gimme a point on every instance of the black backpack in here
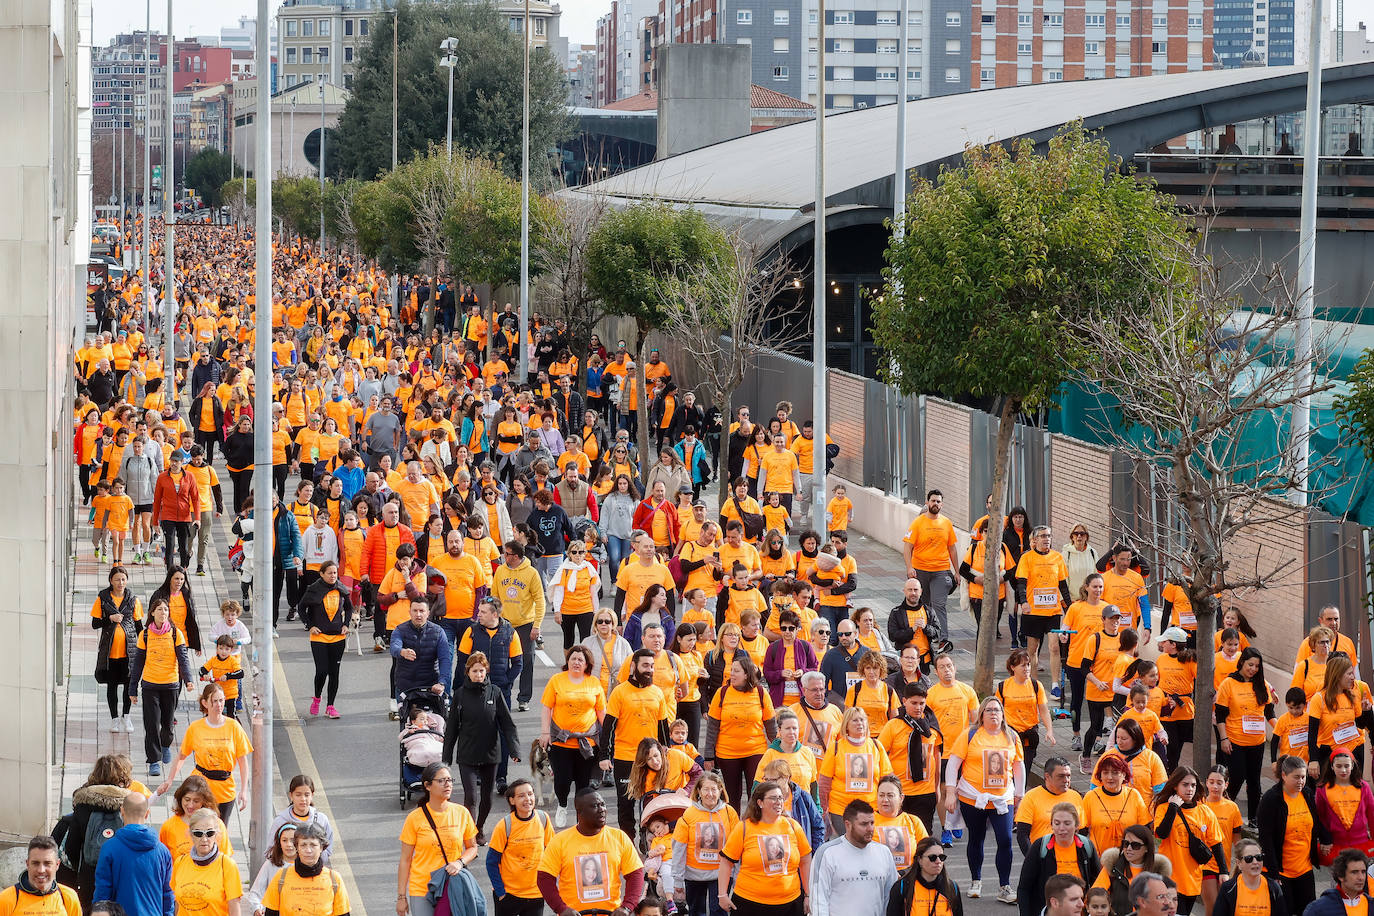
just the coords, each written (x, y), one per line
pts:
(100, 828)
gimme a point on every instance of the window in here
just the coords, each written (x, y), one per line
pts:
(1159, 22)
(539, 26)
(1097, 19)
(952, 46)
(781, 17)
(1055, 76)
(362, 27)
(744, 17)
(1023, 47)
(1092, 47)
(952, 73)
(811, 17)
(307, 55)
(1054, 19)
(744, 41)
(308, 28)
(1260, 17)
(887, 17)
(348, 54)
(842, 45)
(887, 46)
(781, 45)
(781, 73)
(1023, 18)
(517, 24)
(842, 74)
(290, 28)
(913, 19)
(348, 80)
(954, 20)
(324, 55)
(913, 46)
(1157, 47)
(290, 80)
(811, 74)
(913, 73)
(844, 17)
(883, 74)
(324, 28)
(1124, 19)
(290, 55)
(989, 19)
(348, 27)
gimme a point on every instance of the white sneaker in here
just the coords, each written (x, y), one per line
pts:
(975, 888)
(560, 817)
(115, 726)
(129, 724)
(395, 707)
(1006, 894)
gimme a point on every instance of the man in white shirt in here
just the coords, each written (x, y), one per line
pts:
(851, 873)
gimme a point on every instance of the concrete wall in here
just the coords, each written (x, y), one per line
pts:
(703, 96)
(39, 199)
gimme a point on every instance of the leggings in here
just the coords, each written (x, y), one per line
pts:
(689, 711)
(923, 806)
(471, 774)
(1244, 763)
(739, 777)
(328, 658)
(118, 680)
(227, 808)
(1185, 904)
(570, 771)
(624, 804)
(978, 820)
(581, 624)
(702, 899)
(1180, 732)
(207, 441)
(1030, 743)
(243, 485)
(1078, 682)
(1097, 713)
(1299, 892)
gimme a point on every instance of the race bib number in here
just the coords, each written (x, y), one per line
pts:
(1188, 620)
(994, 768)
(858, 770)
(1045, 598)
(1252, 725)
(708, 842)
(851, 678)
(790, 689)
(1297, 737)
(1346, 733)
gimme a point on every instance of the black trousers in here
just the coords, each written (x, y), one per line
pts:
(478, 780)
(159, 709)
(571, 771)
(576, 627)
(283, 577)
(1180, 732)
(739, 777)
(1299, 892)
(527, 673)
(243, 485)
(624, 804)
(1030, 744)
(279, 472)
(1097, 713)
(119, 680)
(180, 532)
(207, 441)
(1078, 682)
(689, 711)
(328, 659)
(511, 905)
(923, 806)
(1245, 763)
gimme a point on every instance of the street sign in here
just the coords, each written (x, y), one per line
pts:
(157, 176)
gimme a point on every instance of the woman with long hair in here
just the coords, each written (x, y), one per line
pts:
(1062, 851)
(1189, 835)
(191, 796)
(1177, 677)
(160, 653)
(176, 591)
(684, 649)
(661, 769)
(118, 616)
(1244, 713)
(697, 840)
(478, 715)
(1121, 864)
(1249, 890)
(571, 710)
(207, 419)
(437, 834)
(1345, 803)
(327, 612)
(607, 649)
(1083, 618)
(1340, 714)
(617, 517)
(1227, 813)
(100, 796)
(769, 857)
(926, 889)
(1292, 834)
(985, 778)
(282, 853)
(739, 725)
(652, 608)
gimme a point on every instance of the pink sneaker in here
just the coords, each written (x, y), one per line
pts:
(314, 706)
(331, 712)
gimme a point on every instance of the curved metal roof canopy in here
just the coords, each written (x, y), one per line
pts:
(770, 176)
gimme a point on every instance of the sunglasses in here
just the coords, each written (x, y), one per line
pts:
(605, 623)
(935, 857)
(1250, 860)
(786, 629)
(203, 833)
(1132, 844)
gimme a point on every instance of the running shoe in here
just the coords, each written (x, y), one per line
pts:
(166, 755)
(128, 723)
(524, 706)
(1054, 691)
(116, 726)
(314, 706)
(946, 839)
(331, 712)
(560, 817)
(1085, 766)
(958, 834)
(1077, 743)
(481, 838)
(200, 570)
(377, 645)
(155, 769)
(291, 614)
(1006, 894)
(975, 888)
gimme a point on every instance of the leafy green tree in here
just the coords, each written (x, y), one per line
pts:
(631, 255)
(483, 228)
(207, 171)
(998, 264)
(487, 92)
(296, 202)
(380, 215)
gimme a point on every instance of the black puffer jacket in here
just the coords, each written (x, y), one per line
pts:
(313, 613)
(479, 714)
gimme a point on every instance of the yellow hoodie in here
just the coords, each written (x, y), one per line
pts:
(521, 592)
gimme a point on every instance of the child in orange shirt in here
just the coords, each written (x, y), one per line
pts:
(1138, 708)
(838, 512)
(121, 513)
(100, 515)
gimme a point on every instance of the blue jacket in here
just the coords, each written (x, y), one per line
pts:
(700, 465)
(353, 480)
(806, 812)
(287, 543)
(465, 898)
(1329, 903)
(433, 662)
(505, 670)
(135, 871)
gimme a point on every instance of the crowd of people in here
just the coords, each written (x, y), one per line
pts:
(775, 746)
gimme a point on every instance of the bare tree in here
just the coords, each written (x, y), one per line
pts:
(1203, 375)
(723, 315)
(430, 185)
(562, 289)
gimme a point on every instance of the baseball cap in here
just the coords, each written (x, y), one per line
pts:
(1175, 634)
(1111, 610)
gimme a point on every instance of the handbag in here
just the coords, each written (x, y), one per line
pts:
(753, 522)
(675, 570)
(1196, 848)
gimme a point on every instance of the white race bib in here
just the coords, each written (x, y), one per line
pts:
(1045, 597)
(1252, 725)
(1188, 620)
(851, 678)
(1345, 733)
(1297, 737)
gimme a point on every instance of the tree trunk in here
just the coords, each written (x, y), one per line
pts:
(642, 410)
(722, 403)
(992, 554)
(1205, 601)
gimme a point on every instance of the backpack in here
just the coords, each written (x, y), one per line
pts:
(100, 828)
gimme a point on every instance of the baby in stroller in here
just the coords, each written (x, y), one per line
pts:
(421, 739)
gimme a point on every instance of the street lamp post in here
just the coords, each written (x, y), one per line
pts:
(525, 211)
(395, 51)
(147, 109)
(818, 419)
(450, 48)
(1307, 258)
(292, 139)
(322, 76)
(169, 298)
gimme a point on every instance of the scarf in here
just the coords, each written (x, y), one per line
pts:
(309, 871)
(573, 568)
(209, 857)
(160, 630)
(915, 756)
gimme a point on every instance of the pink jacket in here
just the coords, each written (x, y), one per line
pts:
(1361, 829)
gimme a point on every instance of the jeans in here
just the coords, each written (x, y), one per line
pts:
(978, 820)
(935, 588)
(617, 549)
(179, 532)
(526, 673)
(159, 709)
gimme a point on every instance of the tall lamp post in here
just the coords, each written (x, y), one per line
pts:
(169, 298)
(818, 290)
(147, 109)
(525, 212)
(395, 51)
(450, 48)
(1307, 257)
(322, 76)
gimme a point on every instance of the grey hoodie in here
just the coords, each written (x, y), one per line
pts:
(140, 475)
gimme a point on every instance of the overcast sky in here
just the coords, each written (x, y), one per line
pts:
(201, 17)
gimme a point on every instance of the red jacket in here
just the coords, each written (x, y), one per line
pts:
(644, 518)
(375, 561)
(172, 503)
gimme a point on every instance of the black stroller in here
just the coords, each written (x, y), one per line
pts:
(418, 698)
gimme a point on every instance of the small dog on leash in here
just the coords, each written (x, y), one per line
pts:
(541, 774)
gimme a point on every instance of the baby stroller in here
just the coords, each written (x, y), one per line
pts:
(410, 700)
